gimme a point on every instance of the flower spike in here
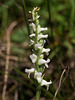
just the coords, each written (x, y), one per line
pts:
(37, 41)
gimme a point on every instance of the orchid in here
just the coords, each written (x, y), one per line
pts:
(37, 40)
(33, 57)
(42, 61)
(29, 71)
(42, 36)
(44, 82)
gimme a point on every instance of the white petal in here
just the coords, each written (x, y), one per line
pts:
(31, 42)
(37, 46)
(48, 60)
(32, 35)
(33, 57)
(33, 13)
(37, 76)
(42, 61)
(46, 50)
(42, 29)
(39, 79)
(47, 65)
(42, 36)
(33, 26)
(29, 71)
(44, 82)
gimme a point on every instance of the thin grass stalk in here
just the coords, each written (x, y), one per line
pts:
(72, 2)
(25, 15)
(50, 19)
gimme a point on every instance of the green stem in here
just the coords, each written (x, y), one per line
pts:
(36, 23)
(38, 92)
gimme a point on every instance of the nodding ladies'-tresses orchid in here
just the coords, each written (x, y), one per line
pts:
(37, 40)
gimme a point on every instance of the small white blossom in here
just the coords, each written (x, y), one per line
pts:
(32, 35)
(31, 42)
(37, 76)
(29, 71)
(41, 29)
(33, 13)
(33, 26)
(48, 60)
(37, 73)
(42, 36)
(42, 61)
(39, 79)
(44, 82)
(46, 50)
(33, 57)
(38, 45)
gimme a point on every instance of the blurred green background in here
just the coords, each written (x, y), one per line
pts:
(59, 17)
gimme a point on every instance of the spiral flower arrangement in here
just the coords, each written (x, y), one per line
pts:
(37, 40)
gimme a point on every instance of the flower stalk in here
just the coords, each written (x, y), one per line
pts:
(37, 40)
(38, 92)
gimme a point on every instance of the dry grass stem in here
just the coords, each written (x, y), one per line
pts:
(59, 83)
(8, 32)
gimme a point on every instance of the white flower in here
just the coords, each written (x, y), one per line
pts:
(33, 13)
(44, 82)
(46, 50)
(29, 71)
(42, 36)
(38, 45)
(33, 57)
(33, 26)
(38, 73)
(31, 42)
(39, 79)
(41, 29)
(42, 61)
(32, 35)
(37, 76)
